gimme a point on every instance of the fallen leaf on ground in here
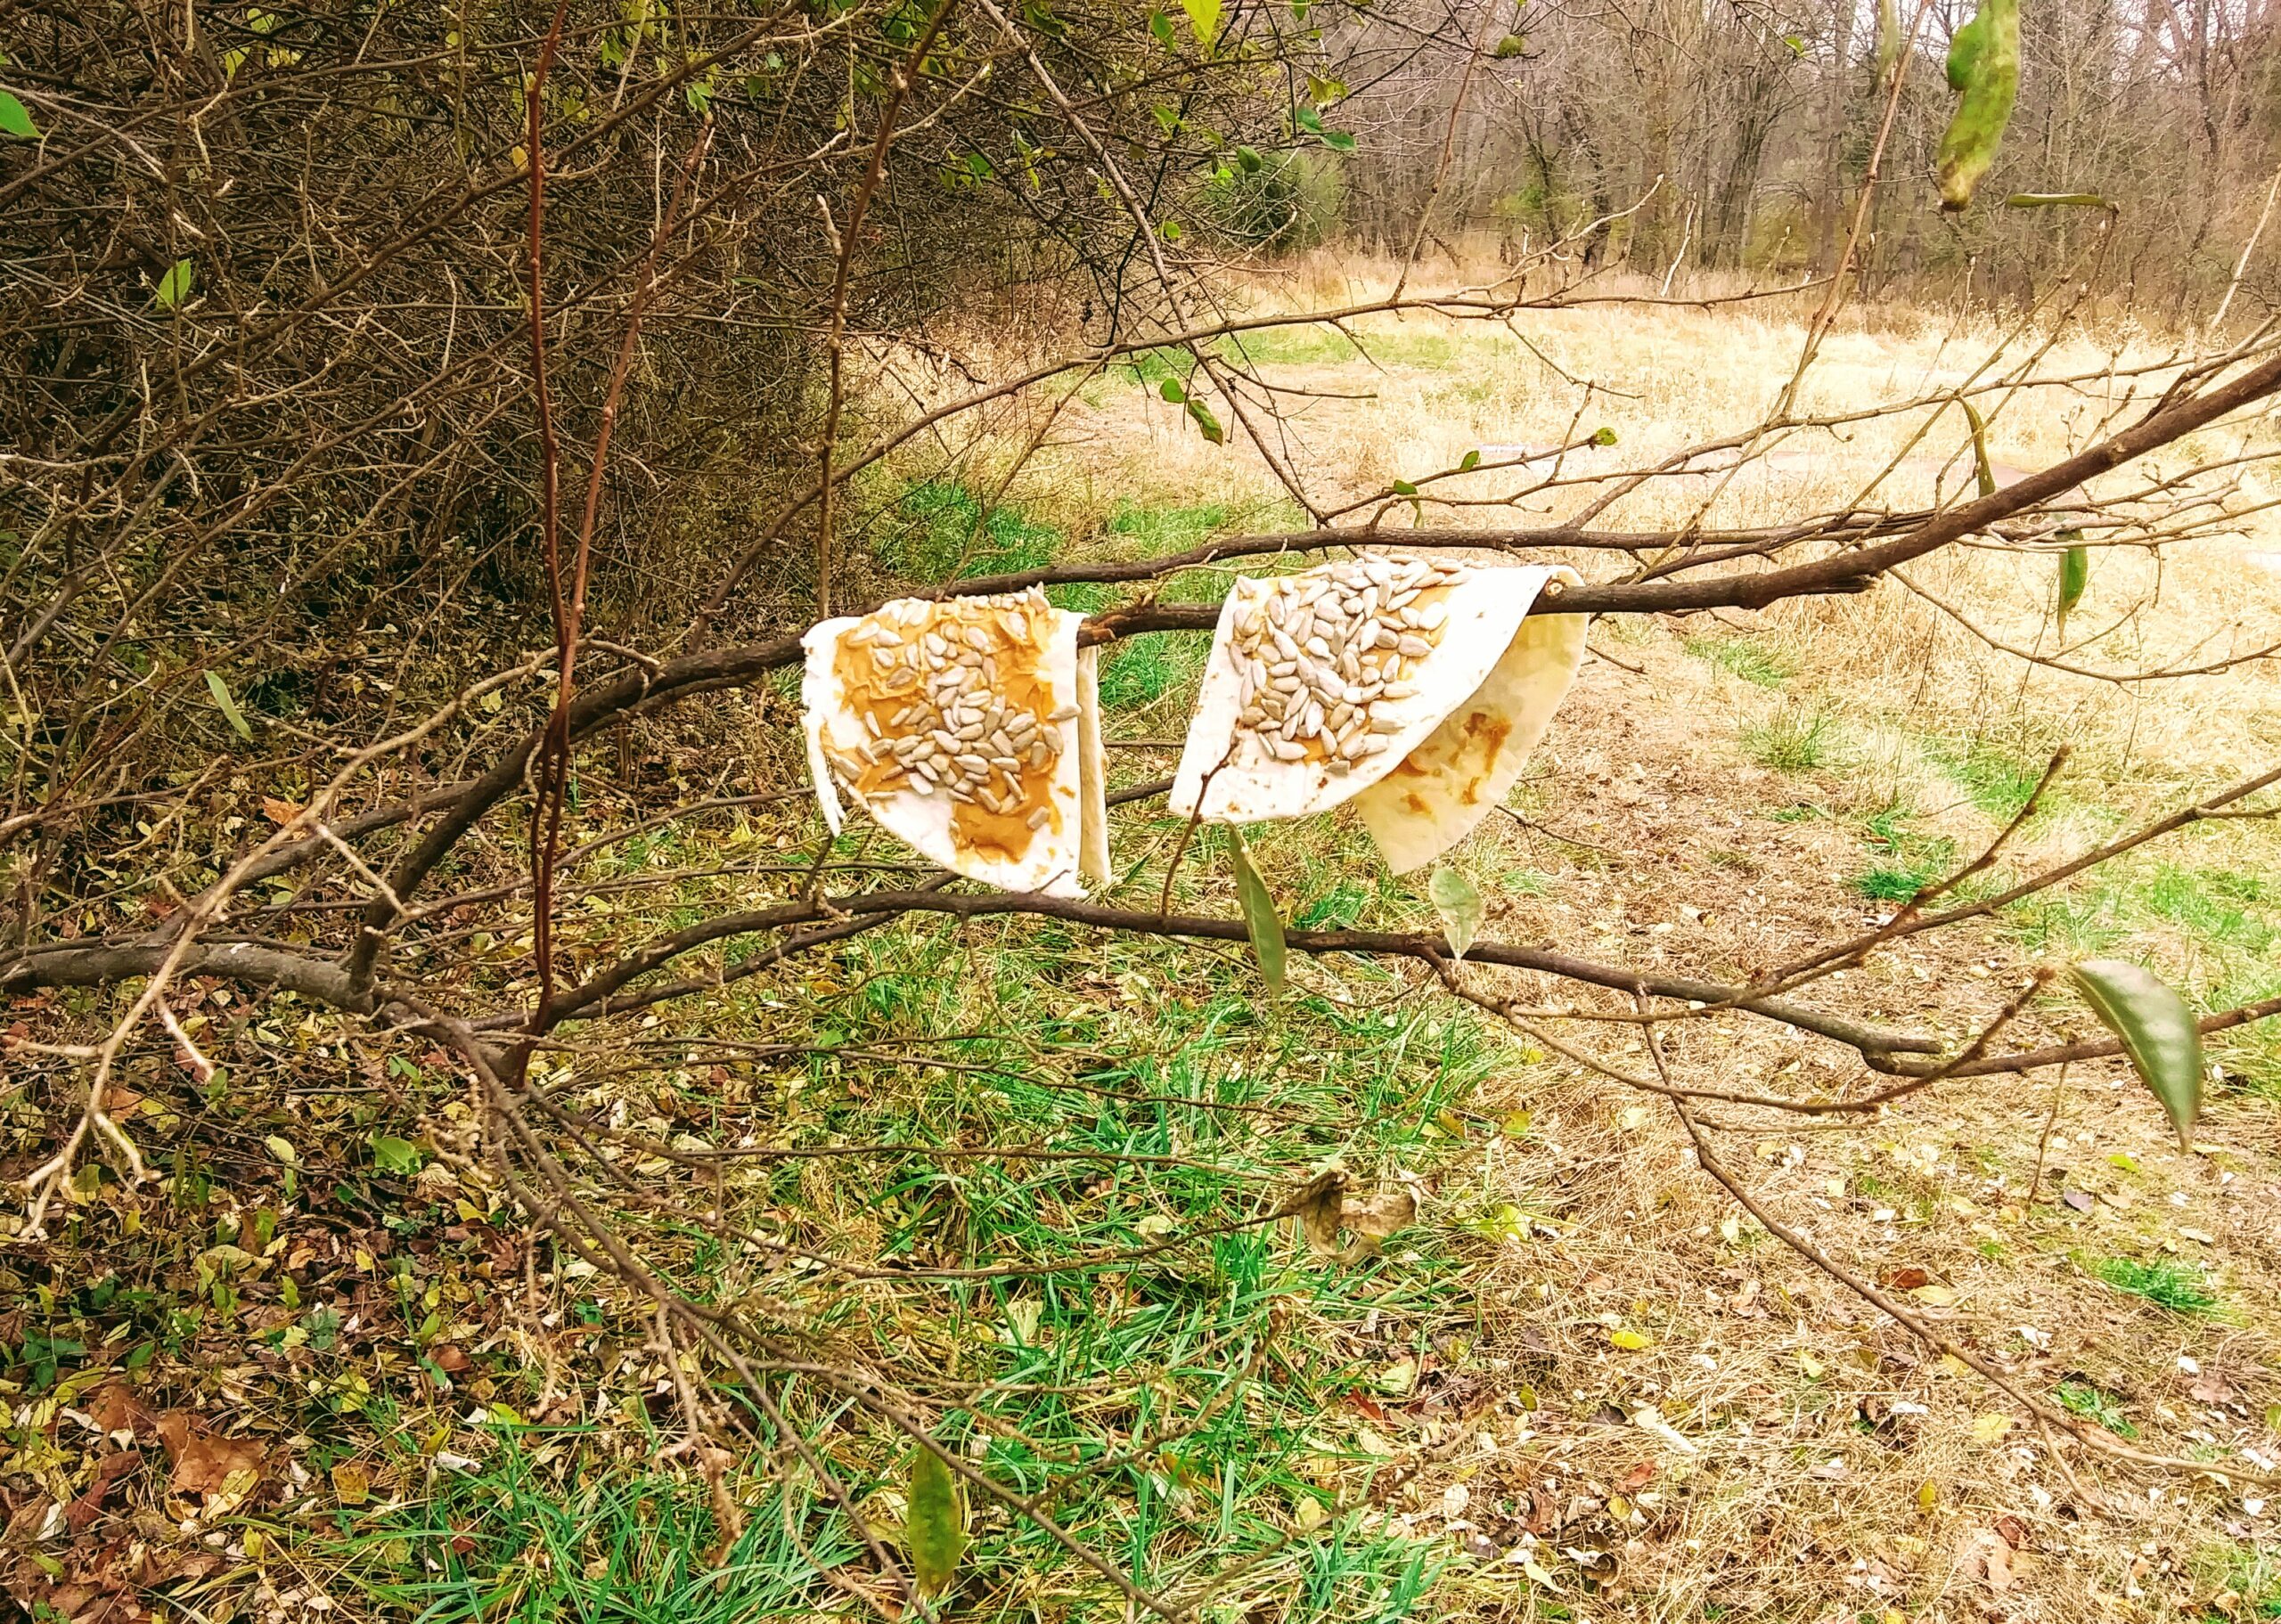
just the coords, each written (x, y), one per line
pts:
(204, 1464)
(1989, 1427)
(2214, 1388)
(82, 1512)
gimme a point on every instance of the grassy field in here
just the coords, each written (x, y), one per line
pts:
(1582, 1385)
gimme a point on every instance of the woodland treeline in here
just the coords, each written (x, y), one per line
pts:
(1760, 120)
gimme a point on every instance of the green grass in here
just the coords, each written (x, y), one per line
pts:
(1998, 784)
(1747, 657)
(943, 534)
(2094, 1403)
(1906, 862)
(1151, 367)
(1793, 739)
(1326, 346)
(1142, 670)
(2174, 1286)
(2252, 1574)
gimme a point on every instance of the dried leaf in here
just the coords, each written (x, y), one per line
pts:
(108, 1469)
(1319, 1208)
(1379, 1215)
(204, 1464)
(352, 1482)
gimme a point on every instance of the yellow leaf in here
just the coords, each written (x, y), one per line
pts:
(1730, 1230)
(1954, 1366)
(352, 1482)
(1991, 1427)
(1928, 1494)
(1530, 1566)
(1813, 1368)
(1516, 1125)
(1633, 1118)
(1398, 1377)
(1631, 1341)
(1935, 1296)
(1309, 1514)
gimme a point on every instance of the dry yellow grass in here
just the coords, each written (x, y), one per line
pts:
(1693, 1422)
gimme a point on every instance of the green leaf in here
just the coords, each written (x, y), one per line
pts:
(1161, 25)
(282, 1147)
(1338, 141)
(1171, 228)
(2057, 199)
(1249, 161)
(2074, 576)
(1983, 471)
(1984, 71)
(1204, 18)
(1511, 45)
(1308, 119)
(175, 286)
(1205, 423)
(1888, 43)
(2158, 1033)
(1470, 461)
(393, 1155)
(1604, 437)
(16, 118)
(1264, 925)
(1402, 487)
(228, 706)
(1458, 906)
(934, 1524)
(1171, 391)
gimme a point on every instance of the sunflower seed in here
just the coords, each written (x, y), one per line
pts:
(1037, 818)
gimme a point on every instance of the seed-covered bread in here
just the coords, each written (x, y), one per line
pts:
(1413, 687)
(955, 724)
